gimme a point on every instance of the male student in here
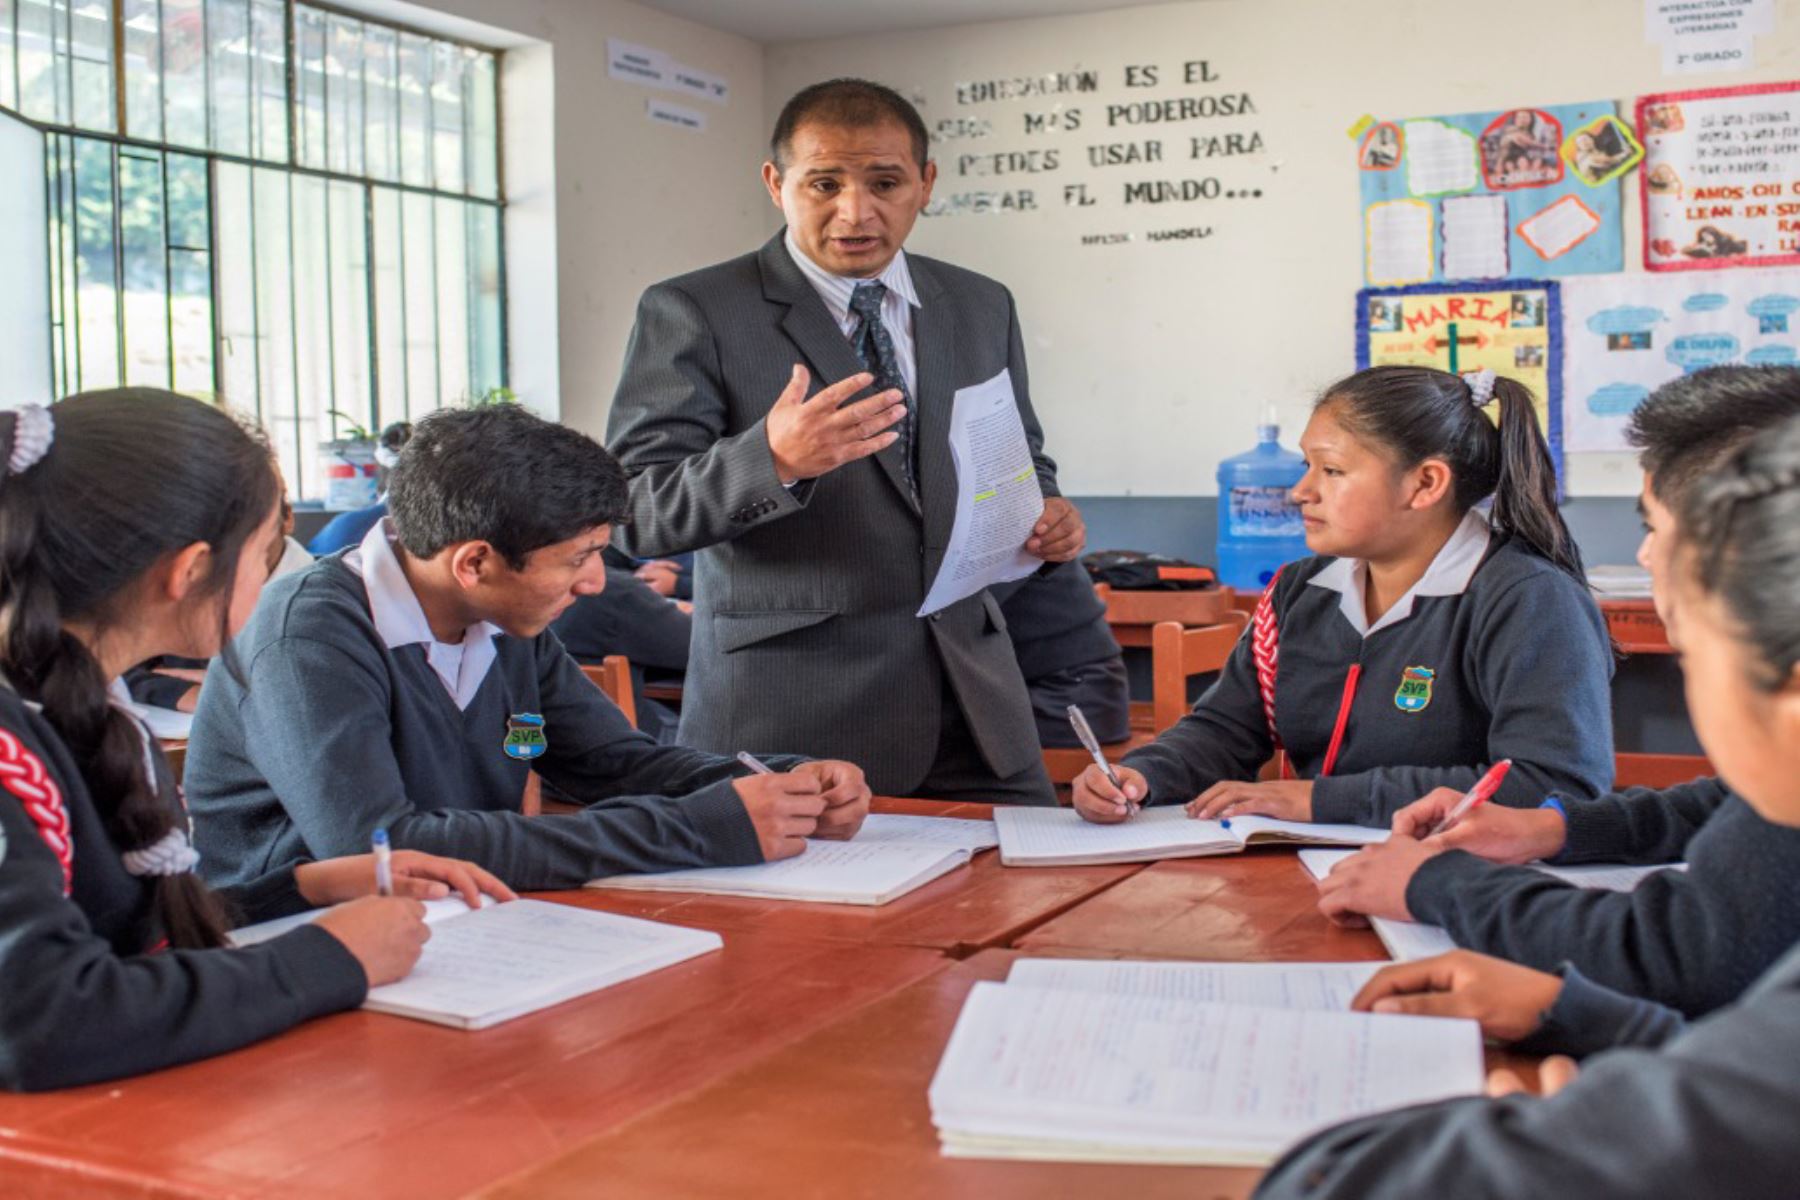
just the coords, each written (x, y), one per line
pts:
(821, 512)
(1691, 940)
(411, 683)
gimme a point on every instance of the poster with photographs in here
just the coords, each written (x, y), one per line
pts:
(1512, 325)
(1626, 335)
(1521, 191)
(1721, 177)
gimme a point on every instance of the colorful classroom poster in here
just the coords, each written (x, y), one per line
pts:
(1721, 177)
(1624, 335)
(1512, 325)
(1525, 191)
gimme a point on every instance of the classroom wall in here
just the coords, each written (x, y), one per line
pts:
(1150, 360)
(612, 202)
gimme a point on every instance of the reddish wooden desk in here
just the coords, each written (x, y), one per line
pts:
(1260, 905)
(361, 1104)
(840, 1113)
(981, 905)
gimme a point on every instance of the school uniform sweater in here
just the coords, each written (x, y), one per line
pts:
(331, 734)
(87, 995)
(1508, 660)
(1708, 1115)
(1692, 940)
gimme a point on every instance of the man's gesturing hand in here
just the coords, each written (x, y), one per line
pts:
(810, 437)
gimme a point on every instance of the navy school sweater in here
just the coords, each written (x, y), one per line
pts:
(86, 995)
(1521, 666)
(331, 735)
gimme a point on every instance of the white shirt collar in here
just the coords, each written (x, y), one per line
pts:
(400, 620)
(1448, 575)
(835, 290)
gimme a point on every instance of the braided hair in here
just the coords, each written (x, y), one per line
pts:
(1738, 533)
(132, 475)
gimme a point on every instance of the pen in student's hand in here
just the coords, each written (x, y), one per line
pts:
(384, 866)
(754, 763)
(1091, 744)
(1483, 790)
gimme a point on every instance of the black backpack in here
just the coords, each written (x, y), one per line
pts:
(1136, 571)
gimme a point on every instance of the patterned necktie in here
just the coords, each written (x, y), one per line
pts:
(875, 347)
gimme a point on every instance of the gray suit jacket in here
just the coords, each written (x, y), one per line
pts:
(804, 635)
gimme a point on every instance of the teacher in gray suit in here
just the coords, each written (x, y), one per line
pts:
(786, 414)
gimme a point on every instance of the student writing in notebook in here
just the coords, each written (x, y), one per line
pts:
(1424, 641)
(412, 683)
(1698, 1111)
(1691, 939)
(135, 523)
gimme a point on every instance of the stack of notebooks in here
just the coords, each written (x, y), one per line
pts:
(489, 965)
(1061, 837)
(1407, 940)
(1219, 1063)
(890, 856)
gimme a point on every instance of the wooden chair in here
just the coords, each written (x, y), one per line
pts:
(1133, 614)
(1178, 653)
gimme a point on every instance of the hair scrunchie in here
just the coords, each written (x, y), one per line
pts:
(1481, 385)
(33, 431)
(171, 855)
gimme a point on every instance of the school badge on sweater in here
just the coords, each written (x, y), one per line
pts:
(1414, 692)
(525, 737)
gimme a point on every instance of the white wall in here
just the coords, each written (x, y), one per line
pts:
(1149, 361)
(628, 202)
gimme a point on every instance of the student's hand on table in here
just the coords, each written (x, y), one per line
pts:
(1554, 1074)
(189, 700)
(1491, 831)
(660, 575)
(846, 797)
(417, 875)
(785, 809)
(385, 933)
(808, 438)
(1509, 1001)
(1059, 534)
(1099, 801)
(1283, 799)
(685, 606)
(1372, 882)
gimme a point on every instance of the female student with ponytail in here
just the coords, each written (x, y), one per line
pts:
(136, 523)
(1423, 643)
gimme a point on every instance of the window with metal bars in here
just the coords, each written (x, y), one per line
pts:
(290, 208)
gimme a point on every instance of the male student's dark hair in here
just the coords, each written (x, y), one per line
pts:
(1691, 424)
(848, 104)
(500, 475)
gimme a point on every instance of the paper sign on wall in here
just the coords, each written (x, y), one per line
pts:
(654, 68)
(1717, 35)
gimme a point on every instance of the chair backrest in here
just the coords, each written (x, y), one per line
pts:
(1178, 653)
(613, 676)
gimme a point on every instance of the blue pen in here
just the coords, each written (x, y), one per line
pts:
(384, 867)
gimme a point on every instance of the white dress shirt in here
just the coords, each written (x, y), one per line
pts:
(896, 306)
(400, 620)
(1448, 575)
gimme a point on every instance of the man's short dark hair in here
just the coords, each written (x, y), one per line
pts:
(1691, 424)
(501, 475)
(847, 104)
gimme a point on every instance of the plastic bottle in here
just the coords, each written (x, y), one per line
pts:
(1259, 526)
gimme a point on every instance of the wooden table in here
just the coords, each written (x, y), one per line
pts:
(1258, 906)
(361, 1104)
(971, 908)
(840, 1113)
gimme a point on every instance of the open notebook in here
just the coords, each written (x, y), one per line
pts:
(1407, 940)
(502, 961)
(1061, 837)
(891, 855)
(1146, 1066)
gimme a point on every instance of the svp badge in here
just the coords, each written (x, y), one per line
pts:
(525, 737)
(1414, 692)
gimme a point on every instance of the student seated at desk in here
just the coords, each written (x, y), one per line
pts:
(411, 684)
(627, 617)
(1699, 1112)
(1421, 644)
(1067, 654)
(1693, 940)
(135, 523)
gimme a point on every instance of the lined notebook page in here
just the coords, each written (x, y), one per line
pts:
(937, 831)
(435, 911)
(1270, 829)
(481, 968)
(1062, 835)
(1327, 987)
(856, 871)
(1034, 1068)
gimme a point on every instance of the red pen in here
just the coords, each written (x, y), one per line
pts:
(1481, 793)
